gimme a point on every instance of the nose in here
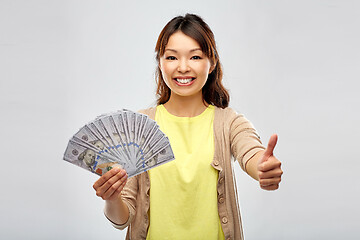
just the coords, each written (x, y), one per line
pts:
(183, 66)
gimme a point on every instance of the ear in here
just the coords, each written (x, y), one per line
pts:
(81, 156)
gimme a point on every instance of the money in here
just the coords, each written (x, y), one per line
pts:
(125, 139)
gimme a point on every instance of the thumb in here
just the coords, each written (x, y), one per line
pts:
(269, 151)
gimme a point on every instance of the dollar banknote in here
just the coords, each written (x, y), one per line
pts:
(125, 139)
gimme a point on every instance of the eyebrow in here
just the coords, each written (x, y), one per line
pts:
(192, 50)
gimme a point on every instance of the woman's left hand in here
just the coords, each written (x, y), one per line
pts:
(269, 167)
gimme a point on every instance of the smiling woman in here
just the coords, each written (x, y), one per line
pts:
(184, 67)
(194, 196)
(200, 44)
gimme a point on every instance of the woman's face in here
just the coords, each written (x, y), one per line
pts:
(184, 67)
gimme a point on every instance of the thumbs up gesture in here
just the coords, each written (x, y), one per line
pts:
(269, 167)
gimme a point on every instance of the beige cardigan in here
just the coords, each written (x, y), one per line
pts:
(234, 136)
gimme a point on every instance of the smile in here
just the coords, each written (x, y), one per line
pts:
(184, 80)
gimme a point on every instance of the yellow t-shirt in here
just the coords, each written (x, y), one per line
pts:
(183, 193)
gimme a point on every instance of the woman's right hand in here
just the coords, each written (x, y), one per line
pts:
(110, 185)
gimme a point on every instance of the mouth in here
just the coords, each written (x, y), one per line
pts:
(184, 81)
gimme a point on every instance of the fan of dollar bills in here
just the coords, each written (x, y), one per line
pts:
(126, 139)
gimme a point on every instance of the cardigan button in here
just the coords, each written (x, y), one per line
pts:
(216, 163)
(221, 180)
(224, 220)
(221, 200)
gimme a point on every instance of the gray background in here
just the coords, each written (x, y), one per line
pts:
(292, 68)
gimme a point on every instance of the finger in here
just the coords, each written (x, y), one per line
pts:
(271, 163)
(269, 151)
(110, 191)
(106, 185)
(119, 189)
(269, 181)
(122, 186)
(271, 187)
(115, 188)
(106, 177)
(277, 172)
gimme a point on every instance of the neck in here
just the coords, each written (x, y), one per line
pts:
(189, 106)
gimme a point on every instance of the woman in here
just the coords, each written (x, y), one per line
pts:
(194, 196)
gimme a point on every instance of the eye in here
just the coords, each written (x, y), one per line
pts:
(170, 58)
(196, 57)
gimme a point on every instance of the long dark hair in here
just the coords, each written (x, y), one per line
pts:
(193, 26)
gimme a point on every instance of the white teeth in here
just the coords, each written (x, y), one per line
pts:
(183, 81)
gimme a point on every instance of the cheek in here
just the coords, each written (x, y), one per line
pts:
(166, 72)
(208, 67)
(203, 67)
(164, 68)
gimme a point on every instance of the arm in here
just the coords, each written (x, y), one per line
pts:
(116, 211)
(251, 165)
(246, 147)
(265, 167)
(109, 187)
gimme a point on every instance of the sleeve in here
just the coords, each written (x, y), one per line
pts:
(244, 140)
(129, 196)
